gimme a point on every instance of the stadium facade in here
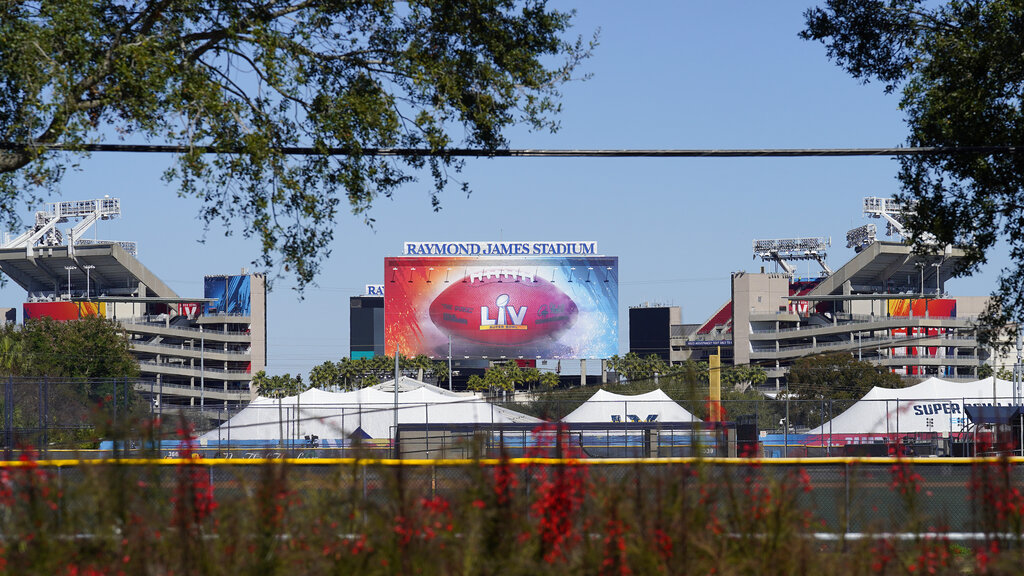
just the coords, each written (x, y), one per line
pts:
(191, 351)
(887, 305)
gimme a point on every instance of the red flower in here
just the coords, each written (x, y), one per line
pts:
(559, 497)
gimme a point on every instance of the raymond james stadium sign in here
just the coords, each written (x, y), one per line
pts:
(500, 249)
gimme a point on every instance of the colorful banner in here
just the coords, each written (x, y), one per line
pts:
(502, 307)
(919, 308)
(231, 292)
(934, 307)
(63, 311)
(188, 309)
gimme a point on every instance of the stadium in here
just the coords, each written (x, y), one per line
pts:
(887, 305)
(193, 352)
(552, 306)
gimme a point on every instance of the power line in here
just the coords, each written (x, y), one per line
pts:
(532, 153)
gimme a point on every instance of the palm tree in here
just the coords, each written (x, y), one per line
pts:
(11, 357)
(326, 376)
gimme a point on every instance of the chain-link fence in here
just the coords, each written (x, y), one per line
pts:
(841, 496)
(71, 417)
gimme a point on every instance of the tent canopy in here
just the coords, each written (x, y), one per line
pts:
(368, 411)
(654, 406)
(982, 414)
(934, 405)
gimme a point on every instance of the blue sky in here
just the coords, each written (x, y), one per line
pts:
(666, 75)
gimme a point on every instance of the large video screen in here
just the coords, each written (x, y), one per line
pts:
(494, 307)
(231, 292)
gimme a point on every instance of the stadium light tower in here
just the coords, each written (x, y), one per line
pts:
(893, 213)
(783, 250)
(45, 230)
(889, 210)
(861, 237)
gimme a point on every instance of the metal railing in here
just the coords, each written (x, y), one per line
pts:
(197, 350)
(850, 321)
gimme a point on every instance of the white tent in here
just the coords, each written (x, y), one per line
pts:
(653, 406)
(368, 413)
(934, 405)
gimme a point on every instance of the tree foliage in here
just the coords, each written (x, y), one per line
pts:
(814, 382)
(355, 373)
(635, 368)
(509, 376)
(88, 360)
(278, 386)
(90, 348)
(234, 81)
(958, 66)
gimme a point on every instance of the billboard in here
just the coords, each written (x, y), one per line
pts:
(231, 292)
(563, 307)
(63, 310)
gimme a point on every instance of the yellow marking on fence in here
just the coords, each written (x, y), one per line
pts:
(887, 460)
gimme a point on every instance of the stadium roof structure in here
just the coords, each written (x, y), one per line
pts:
(882, 266)
(93, 269)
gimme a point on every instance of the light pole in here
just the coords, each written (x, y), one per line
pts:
(87, 268)
(202, 369)
(785, 431)
(1017, 368)
(394, 435)
(938, 268)
(69, 269)
(1017, 383)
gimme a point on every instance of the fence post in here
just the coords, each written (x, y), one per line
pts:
(39, 416)
(46, 418)
(46, 383)
(822, 420)
(831, 412)
(846, 500)
(8, 417)
(60, 496)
